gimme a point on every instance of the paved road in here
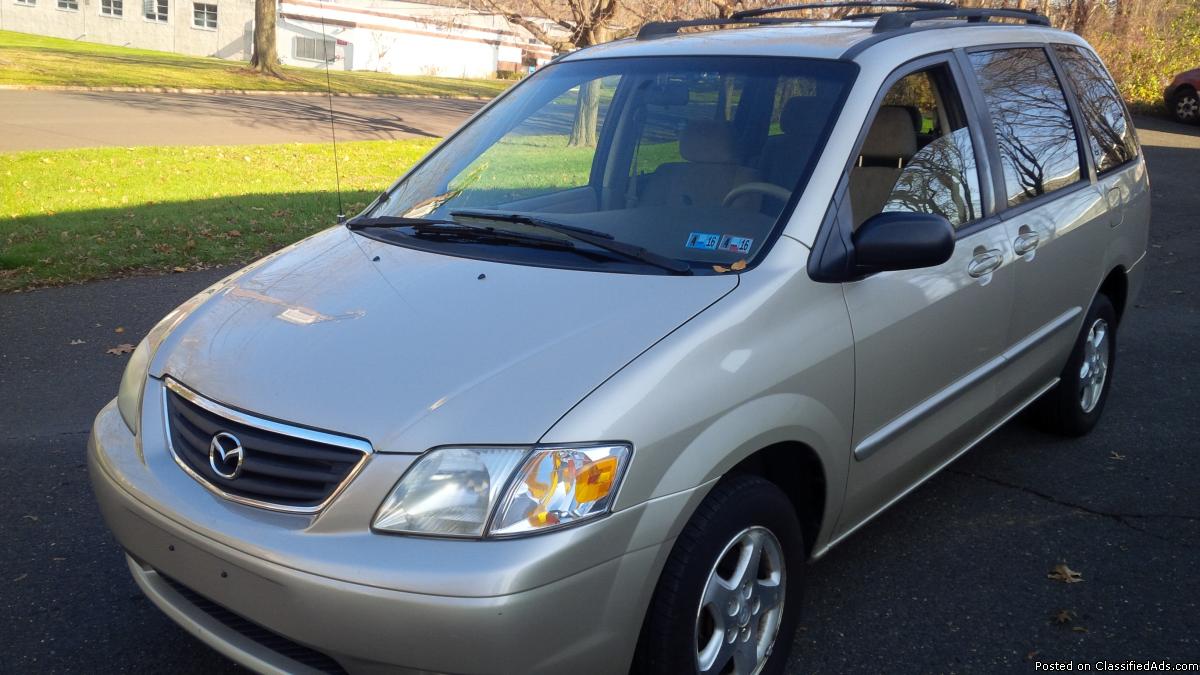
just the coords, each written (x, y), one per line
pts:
(38, 120)
(953, 579)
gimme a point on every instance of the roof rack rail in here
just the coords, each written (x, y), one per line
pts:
(904, 16)
(892, 21)
(861, 4)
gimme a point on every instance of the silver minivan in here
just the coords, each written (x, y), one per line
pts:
(586, 388)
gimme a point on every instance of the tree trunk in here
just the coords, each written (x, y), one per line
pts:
(265, 57)
(587, 112)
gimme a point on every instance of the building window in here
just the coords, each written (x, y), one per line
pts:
(311, 49)
(204, 15)
(30, 3)
(112, 7)
(72, 5)
(155, 10)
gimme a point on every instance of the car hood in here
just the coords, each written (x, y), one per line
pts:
(410, 349)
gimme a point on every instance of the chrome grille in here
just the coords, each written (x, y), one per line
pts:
(284, 467)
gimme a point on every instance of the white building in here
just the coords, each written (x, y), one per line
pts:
(404, 38)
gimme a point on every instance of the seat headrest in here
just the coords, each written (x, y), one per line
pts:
(892, 135)
(707, 141)
(797, 113)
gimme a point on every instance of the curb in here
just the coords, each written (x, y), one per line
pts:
(248, 92)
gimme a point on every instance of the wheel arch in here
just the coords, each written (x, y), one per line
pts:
(797, 470)
(1116, 288)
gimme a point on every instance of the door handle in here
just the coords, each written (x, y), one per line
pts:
(985, 262)
(1026, 243)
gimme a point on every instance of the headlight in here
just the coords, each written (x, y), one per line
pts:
(133, 383)
(456, 491)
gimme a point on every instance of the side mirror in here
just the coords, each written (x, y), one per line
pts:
(898, 240)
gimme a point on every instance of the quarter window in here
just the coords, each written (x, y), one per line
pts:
(918, 155)
(155, 10)
(1110, 135)
(204, 15)
(1038, 147)
(112, 7)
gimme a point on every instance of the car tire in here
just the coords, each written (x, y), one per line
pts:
(1185, 106)
(703, 612)
(1074, 405)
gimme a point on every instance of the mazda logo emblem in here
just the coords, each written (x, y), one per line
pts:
(225, 455)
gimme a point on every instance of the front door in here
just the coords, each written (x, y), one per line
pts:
(927, 342)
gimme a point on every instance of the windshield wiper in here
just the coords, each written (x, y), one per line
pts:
(601, 240)
(361, 222)
(451, 231)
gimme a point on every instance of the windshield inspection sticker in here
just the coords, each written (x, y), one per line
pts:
(708, 242)
(736, 244)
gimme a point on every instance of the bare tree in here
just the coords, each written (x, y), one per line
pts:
(265, 57)
(587, 23)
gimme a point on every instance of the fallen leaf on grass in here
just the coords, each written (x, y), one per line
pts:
(1065, 574)
(120, 349)
(178, 269)
(233, 233)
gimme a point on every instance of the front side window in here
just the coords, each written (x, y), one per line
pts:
(155, 10)
(1110, 135)
(682, 157)
(1038, 147)
(204, 15)
(112, 7)
(918, 156)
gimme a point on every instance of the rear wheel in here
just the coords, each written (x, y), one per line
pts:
(728, 598)
(1185, 106)
(1074, 406)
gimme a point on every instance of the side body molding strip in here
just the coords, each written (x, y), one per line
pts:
(878, 439)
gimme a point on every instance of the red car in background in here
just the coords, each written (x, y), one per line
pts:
(1183, 96)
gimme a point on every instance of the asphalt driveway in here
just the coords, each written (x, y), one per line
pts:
(953, 579)
(46, 120)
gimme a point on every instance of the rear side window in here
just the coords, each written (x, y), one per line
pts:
(1038, 147)
(1110, 135)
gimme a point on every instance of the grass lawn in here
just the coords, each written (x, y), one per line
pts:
(77, 215)
(38, 60)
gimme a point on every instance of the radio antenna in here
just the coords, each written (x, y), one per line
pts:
(337, 176)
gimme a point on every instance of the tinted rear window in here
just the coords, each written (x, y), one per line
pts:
(1110, 135)
(1038, 146)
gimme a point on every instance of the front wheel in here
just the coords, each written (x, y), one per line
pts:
(1186, 106)
(1073, 407)
(729, 595)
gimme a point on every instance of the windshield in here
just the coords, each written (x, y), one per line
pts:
(693, 159)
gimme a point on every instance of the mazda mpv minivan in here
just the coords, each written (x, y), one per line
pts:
(585, 389)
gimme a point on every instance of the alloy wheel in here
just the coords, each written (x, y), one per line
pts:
(1093, 373)
(1187, 107)
(742, 605)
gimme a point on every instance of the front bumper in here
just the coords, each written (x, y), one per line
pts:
(568, 601)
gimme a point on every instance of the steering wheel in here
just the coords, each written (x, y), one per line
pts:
(768, 189)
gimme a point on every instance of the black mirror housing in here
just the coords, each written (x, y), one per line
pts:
(899, 240)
